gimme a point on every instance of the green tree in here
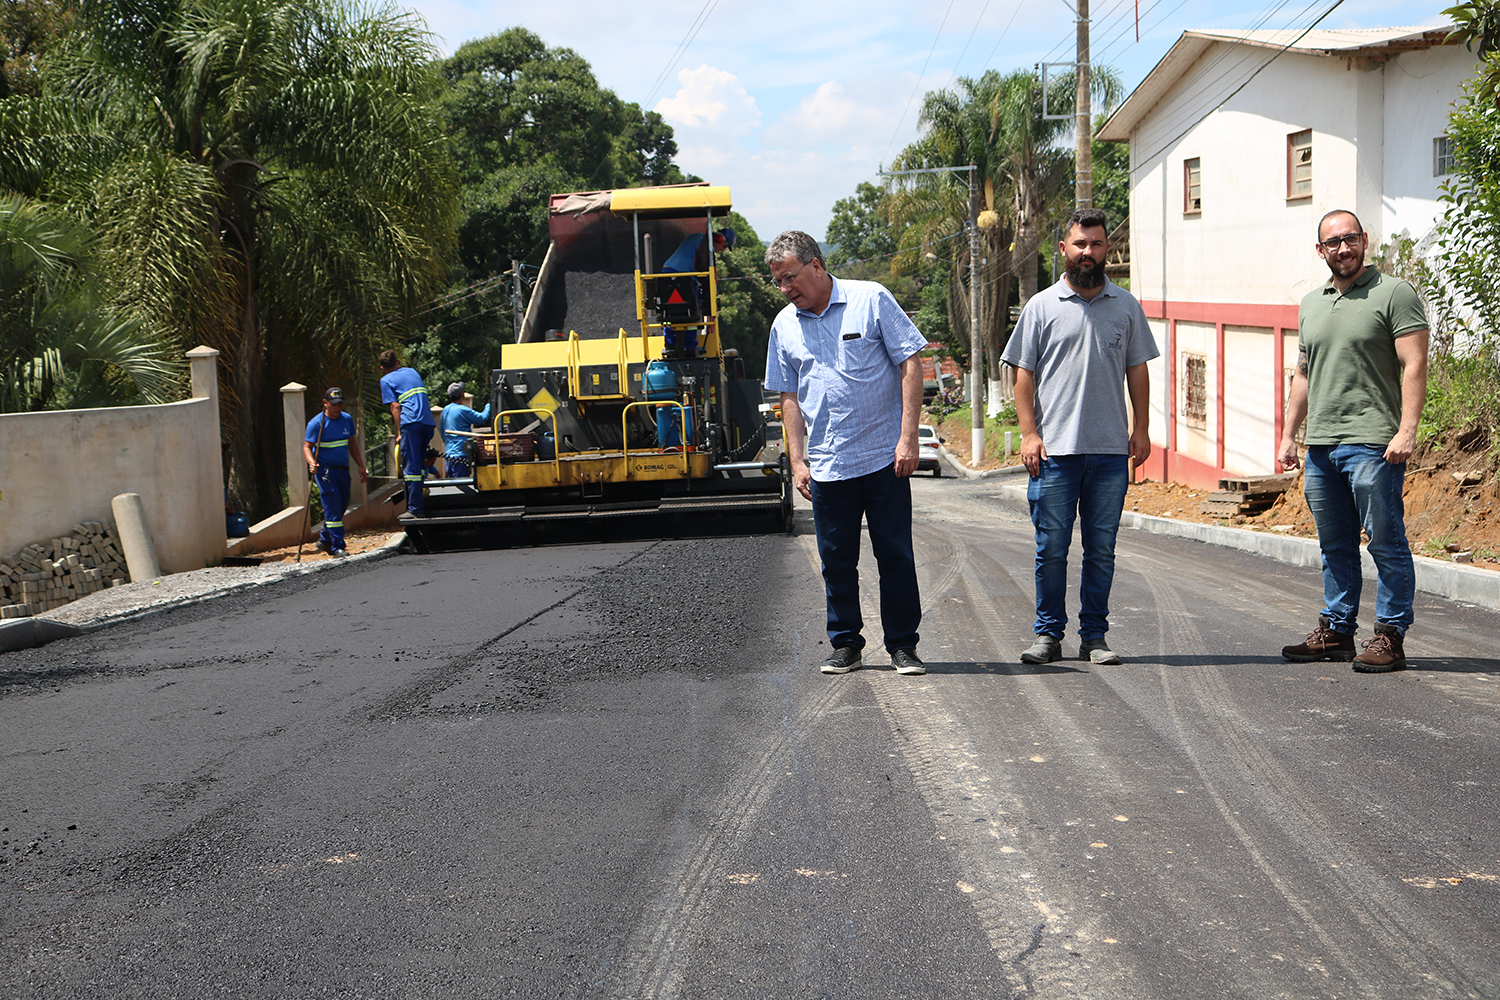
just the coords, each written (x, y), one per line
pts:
(994, 122)
(1464, 383)
(859, 228)
(748, 303)
(268, 177)
(28, 28)
(527, 121)
(61, 344)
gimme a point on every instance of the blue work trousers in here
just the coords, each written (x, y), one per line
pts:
(333, 489)
(1349, 488)
(414, 440)
(1089, 489)
(455, 468)
(883, 500)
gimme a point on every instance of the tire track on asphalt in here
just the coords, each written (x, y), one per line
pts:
(978, 814)
(1395, 929)
(650, 962)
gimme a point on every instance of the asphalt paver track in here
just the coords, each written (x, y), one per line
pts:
(615, 771)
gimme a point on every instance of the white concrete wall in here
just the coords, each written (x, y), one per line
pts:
(1372, 123)
(1420, 90)
(1249, 386)
(64, 466)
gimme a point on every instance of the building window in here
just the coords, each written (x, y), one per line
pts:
(1192, 178)
(1195, 390)
(1299, 164)
(1442, 156)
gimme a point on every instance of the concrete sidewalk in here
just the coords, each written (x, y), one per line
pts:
(1454, 581)
(149, 597)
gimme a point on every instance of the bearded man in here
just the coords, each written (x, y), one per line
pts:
(1076, 349)
(1360, 383)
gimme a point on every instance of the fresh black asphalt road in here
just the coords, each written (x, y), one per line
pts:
(615, 771)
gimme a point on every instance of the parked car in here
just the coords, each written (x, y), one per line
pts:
(928, 457)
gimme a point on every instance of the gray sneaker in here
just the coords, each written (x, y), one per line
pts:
(907, 662)
(1096, 650)
(1046, 649)
(842, 660)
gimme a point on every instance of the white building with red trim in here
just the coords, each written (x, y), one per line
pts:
(1240, 141)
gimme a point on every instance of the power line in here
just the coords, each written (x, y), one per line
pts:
(918, 85)
(1336, 5)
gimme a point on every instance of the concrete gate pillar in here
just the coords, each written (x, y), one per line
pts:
(293, 410)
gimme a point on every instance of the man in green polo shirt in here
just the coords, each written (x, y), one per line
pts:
(1360, 382)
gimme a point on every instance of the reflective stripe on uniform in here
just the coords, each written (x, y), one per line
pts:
(411, 392)
(333, 524)
(413, 479)
(334, 444)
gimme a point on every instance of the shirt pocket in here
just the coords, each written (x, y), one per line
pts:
(861, 354)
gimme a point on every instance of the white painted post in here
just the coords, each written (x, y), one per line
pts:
(203, 366)
(293, 407)
(130, 522)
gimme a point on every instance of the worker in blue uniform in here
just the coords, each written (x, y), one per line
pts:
(403, 390)
(327, 448)
(458, 417)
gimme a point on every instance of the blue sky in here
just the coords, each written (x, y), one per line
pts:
(792, 105)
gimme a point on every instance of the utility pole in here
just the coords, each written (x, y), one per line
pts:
(976, 348)
(515, 285)
(1083, 181)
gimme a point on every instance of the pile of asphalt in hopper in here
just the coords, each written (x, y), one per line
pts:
(600, 303)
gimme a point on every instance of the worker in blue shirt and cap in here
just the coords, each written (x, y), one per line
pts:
(326, 447)
(458, 417)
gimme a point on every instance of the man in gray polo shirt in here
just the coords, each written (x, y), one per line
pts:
(1076, 348)
(1361, 380)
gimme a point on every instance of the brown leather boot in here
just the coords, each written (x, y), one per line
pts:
(1322, 643)
(1383, 653)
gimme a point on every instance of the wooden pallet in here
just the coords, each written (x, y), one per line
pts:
(1260, 484)
(1232, 502)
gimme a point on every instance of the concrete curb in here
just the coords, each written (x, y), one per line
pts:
(968, 473)
(28, 633)
(1454, 581)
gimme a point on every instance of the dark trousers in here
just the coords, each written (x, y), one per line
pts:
(883, 500)
(414, 438)
(333, 490)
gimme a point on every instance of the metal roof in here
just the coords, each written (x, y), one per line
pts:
(1349, 43)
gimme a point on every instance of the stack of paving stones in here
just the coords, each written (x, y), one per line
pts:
(47, 575)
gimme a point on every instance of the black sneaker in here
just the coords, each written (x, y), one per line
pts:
(842, 660)
(907, 662)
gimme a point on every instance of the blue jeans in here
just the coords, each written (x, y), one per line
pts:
(414, 438)
(1350, 487)
(1091, 487)
(333, 490)
(884, 501)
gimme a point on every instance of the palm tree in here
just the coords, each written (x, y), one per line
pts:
(268, 177)
(61, 343)
(996, 123)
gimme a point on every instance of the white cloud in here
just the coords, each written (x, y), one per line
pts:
(710, 98)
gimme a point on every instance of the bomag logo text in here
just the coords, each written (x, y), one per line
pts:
(657, 466)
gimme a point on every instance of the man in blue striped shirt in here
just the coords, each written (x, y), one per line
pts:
(404, 391)
(845, 358)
